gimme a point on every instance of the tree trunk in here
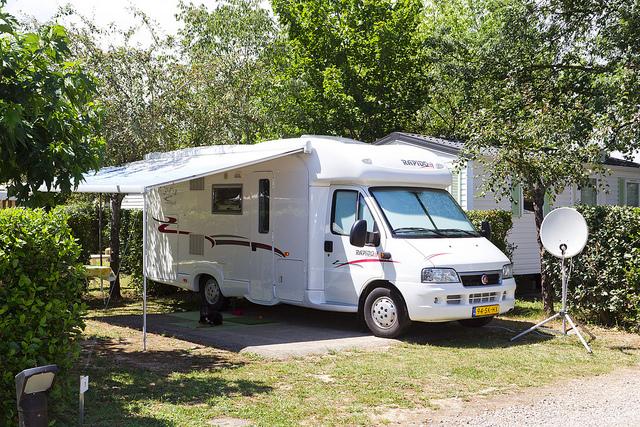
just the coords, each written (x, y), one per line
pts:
(116, 204)
(545, 284)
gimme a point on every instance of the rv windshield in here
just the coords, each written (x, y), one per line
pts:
(422, 212)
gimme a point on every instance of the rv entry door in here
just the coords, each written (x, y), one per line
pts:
(261, 256)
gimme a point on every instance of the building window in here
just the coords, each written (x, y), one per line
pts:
(349, 206)
(263, 206)
(589, 193)
(196, 184)
(633, 197)
(226, 199)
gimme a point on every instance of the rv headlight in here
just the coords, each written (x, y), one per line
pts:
(439, 275)
(507, 271)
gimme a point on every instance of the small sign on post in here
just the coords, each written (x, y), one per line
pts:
(84, 386)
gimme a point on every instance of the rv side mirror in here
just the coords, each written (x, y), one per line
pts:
(358, 234)
(485, 229)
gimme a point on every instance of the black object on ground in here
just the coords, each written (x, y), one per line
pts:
(209, 316)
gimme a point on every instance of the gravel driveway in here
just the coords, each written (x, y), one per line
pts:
(607, 400)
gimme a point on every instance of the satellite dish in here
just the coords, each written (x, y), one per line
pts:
(564, 232)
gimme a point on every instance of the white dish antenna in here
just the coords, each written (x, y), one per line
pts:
(564, 232)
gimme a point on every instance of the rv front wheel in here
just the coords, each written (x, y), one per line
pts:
(210, 293)
(385, 313)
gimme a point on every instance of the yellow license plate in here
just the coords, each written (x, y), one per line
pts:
(486, 310)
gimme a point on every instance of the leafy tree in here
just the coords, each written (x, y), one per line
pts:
(535, 98)
(202, 88)
(144, 91)
(357, 65)
(230, 51)
(49, 121)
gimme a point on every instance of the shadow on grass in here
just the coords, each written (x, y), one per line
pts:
(629, 350)
(289, 324)
(125, 383)
(131, 302)
(164, 361)
(529, 310)
(496, 334)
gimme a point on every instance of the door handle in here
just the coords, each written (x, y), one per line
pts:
(328, 246)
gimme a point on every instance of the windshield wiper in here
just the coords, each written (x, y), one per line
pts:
(418, 230)
(459, 230)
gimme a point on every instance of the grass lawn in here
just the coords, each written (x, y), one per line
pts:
(184, 384)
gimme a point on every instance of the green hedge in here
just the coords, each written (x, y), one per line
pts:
(501, 223)
(604, 286)
(84, 223)
(41, 283)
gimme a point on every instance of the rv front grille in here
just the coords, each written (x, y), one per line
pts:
(454, 299)
(483, 297)
(476, 279)
(196, 244)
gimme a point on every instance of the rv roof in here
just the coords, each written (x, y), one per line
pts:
(356, 163)
(367, 164)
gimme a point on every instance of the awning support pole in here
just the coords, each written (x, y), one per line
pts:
(104, 297)
(144, 270)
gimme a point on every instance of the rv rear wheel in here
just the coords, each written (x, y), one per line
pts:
(477, 322)
(385, 313)
(210, 293)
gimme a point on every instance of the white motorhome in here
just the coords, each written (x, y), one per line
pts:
(331, 224)
(321, 222)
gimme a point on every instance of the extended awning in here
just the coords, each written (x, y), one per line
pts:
(160, 169)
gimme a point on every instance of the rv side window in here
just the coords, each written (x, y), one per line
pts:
(365, 213)
(263, 206)
(226, 199)
(349, 205)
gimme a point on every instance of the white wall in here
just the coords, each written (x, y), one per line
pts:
(631, 174)
(526, 256)
(522, 234)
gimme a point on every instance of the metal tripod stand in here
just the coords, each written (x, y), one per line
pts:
(563, 314)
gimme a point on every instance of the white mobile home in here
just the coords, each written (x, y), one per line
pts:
(623, 189)
(319, 222)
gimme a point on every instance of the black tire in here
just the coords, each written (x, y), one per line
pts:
(211, 294)
(476, 322)
(385, 313)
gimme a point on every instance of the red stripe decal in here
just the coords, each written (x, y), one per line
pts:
(232, 242)
(166, 223)
(212, 239)
(435, 255)
(256, 245)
